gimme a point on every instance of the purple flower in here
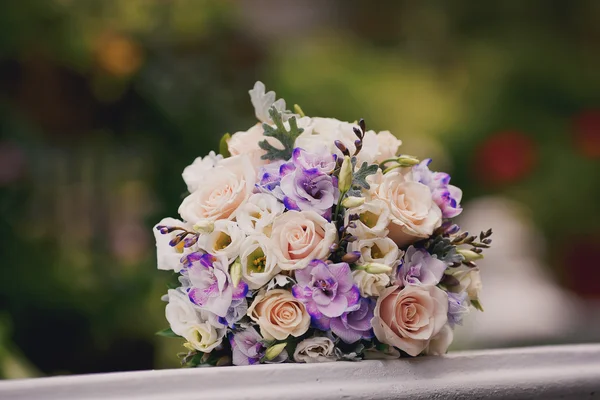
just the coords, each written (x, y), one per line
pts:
(249, 348)
(458, 307)
(419, 268)
(322, 161)
(211, 286)
(269, 179)
(327, 290)
(237, 310)
(446, 196)
(309, 190)
(354, 325)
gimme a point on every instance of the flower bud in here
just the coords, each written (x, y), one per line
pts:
(235, 271)
(345, 178)
(377, 268)
(469, 255)
(274, 351)
(407, 161)
(351, 257)
(351, 202)
(204, 226)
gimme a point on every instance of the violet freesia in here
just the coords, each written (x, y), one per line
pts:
(211, 285)
(446, 196)
(419, 268)
(458, 307)
(309, 190)
(248, 348)
(321, 160)
(237, 310)
(327, 290)
(354, 325)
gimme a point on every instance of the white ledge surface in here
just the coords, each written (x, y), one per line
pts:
(526, 373)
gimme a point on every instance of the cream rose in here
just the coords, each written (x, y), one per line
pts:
(298, 237)
(438, 345)
(279, 314)
(259, 264)
(387, 146)
(370, 285)
(315, 350)
(246, 142)
(409, 318)
(414, 214)
(256, 216)
(470, 281)
(229, 185)
(225, 239)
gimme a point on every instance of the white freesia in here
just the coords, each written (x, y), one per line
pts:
(169, 257)
(259, 264)
(370, 285)
(256, 216)
(195, 173)
(299, 237)
(470, 281)
(225, 239)
(381, 250)
(199, 327)
(414, 214)
(315, 350)
(231, 182)
(374, 217)
(438, 345)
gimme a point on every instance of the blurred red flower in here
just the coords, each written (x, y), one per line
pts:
(505, 157)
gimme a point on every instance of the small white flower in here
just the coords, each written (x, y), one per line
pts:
(199, 327)
(259, 264)
(256, 216)
(225, 240)
(195, 173)
(374, 217)
(370, 285)
(168, 257)
(315, 350)
(381, 250)
(470, 281)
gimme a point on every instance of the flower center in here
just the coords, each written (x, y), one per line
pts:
(223, 240)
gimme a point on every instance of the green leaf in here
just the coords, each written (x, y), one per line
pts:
(477, 305)
(360, 176)
(285, 137)
(168, 333)
(223, 148)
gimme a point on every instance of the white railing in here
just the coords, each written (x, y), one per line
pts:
(534, 373)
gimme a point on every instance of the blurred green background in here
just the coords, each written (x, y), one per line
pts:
(103, 103)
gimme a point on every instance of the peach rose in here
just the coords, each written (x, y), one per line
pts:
(414, 214)
(298, 237)
(409, 318)
(228, 186)
(279, 314)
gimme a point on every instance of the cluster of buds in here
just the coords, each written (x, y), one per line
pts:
(185, 238)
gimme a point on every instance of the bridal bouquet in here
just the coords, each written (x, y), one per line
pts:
(311, 240)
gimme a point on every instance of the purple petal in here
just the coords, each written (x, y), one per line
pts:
(347, 335)
(290, 204)
(343, 276)
(240, 291)
(335, 308)
(352, 296)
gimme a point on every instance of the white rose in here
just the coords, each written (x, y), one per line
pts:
(374, 217)
(299, 237)
(257, 215)
(438, 345)
(370, 285)
(387, 146)
(259, 264)
(315, 350)
(195, 173)
(199, 327)
(376, 250)
(414, 214)
(225, 240)
(168, 257)
(324, 131)
(229, 185)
